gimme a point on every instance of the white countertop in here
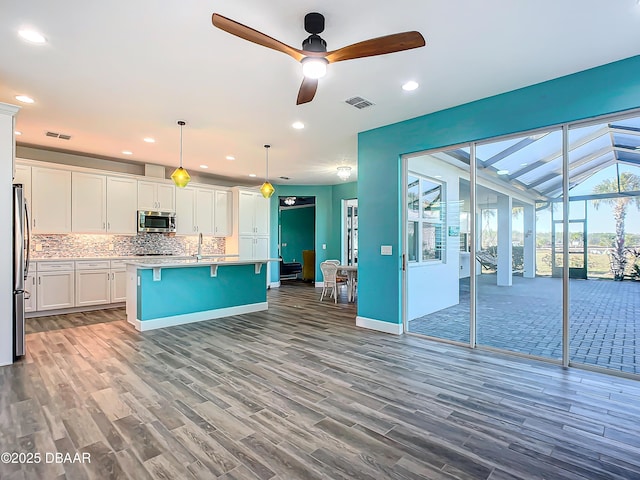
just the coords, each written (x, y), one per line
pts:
(127, 257)
(172, 262)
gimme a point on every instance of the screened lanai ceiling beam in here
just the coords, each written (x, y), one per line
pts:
(512, 149)
(557, 187)
(460, 155)
(629, 161)
(583, 141)
(624, 129)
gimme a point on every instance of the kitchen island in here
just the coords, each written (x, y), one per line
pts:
(166, 292)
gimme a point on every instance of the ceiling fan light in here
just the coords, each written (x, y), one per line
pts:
(314, 67)
(344, 172)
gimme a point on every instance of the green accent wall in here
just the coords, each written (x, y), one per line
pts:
(607, 89)
(297, 231)
(328, 221)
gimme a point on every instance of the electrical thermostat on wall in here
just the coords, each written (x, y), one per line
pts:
(386, 250)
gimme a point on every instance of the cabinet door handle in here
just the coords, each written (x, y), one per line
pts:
(104, 225)
(108, 226)
(34, 222)
(39, 278)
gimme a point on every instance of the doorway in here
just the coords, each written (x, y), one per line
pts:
(297, 237)
(350, 228)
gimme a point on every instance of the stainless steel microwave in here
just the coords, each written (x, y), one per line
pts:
(156, 222)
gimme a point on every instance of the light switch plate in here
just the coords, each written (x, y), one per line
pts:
(386, 250)
(324, 246)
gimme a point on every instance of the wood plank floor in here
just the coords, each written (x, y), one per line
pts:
(298, 392)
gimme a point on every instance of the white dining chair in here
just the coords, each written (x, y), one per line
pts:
(330, 280)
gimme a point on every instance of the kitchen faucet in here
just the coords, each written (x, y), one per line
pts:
(199, 254)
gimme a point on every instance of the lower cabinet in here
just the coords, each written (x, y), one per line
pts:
(92, 287)
(55, 290)
(30, 304)
(68, 284)
(118, 281)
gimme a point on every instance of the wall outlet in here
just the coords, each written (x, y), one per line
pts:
(324, 246)
(38, 247)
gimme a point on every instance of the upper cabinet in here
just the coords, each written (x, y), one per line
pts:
(50, 200)
(253, 218)
(88, 202)
(156, 196)
(222, 213)
(122, 200)
(203, 210)
(103, 204)
(23, 175)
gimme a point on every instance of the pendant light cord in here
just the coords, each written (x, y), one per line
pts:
(267, 173)
(181, 123)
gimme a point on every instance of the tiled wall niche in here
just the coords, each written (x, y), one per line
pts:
(90, 246)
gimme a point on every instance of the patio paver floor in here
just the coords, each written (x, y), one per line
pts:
(527, 318)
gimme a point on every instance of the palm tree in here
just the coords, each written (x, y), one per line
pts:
(626, 182)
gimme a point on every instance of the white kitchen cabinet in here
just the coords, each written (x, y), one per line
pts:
(88, 202)
(50, 200)
(156, 196)
(93, 282)
(222, 213)
(253, 213)
(55, 285)
(118, 281)
(194, 211)
(22, 175)
(251, 246)
(93, 287)
(122, 200)
(30, 299)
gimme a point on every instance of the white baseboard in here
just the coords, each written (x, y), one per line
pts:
(274, 284)
(144, 325)
(379, 325)
(319, 284)
(62, 311)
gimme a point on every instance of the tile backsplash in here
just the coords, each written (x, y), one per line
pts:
(89, 246)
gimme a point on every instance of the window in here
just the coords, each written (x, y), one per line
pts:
(426, 220)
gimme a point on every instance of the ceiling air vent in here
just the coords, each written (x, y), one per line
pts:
(359, 102)
(61, 136)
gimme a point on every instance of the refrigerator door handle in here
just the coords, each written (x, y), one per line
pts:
(28, 239)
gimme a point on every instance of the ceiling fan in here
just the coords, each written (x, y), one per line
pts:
(314, 56)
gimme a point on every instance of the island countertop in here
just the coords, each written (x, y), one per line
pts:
(168, 262)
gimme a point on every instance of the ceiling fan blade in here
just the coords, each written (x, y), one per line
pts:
(378, 46)
(248, 33)
(307, 90)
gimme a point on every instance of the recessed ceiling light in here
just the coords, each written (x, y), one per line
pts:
(524, 164)
(24, 99)
(32, 36)
(409, 86)
(230, 157)
(149, 140)
(298, 125)
(437, 176)
(503, 172)
(204, 166)
(127, 152)
(252, 174)
(17, 132)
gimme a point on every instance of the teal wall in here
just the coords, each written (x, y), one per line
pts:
(297, 231)
(328, 224)
(606, 89)
(193, 289)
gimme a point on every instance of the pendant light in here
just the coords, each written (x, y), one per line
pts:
(267, 189)
(180, 176)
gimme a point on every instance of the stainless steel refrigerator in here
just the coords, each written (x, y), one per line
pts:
(21, 240)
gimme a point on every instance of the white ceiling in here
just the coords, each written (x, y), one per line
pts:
(116, 71)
